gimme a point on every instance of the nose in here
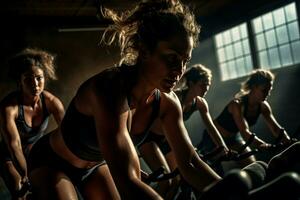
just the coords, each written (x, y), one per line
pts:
(179, 69)
(34, 82)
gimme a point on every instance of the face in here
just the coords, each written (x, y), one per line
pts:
(201, 87)
(262, 92)
(164, 66)
(33, 81)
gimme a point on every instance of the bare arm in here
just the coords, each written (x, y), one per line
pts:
(12, 139)
(237, 113)
(195, 171)
(55, 107)
(211, 128)
(118, 149)
(273, 125)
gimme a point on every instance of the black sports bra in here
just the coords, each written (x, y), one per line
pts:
(80, 136)
(225, 119)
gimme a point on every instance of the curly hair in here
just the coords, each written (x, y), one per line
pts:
(195, 73)
(256, 77)
(29, 57)
(148, 23)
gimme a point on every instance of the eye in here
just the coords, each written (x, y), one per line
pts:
(27, 79)
(39, 78)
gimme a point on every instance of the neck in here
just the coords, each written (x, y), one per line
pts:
(31, 101)
(252, 100)
(190, 95)
(141, 90)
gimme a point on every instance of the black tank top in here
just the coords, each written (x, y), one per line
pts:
(225, 119)
(29, 134)
(189, 112)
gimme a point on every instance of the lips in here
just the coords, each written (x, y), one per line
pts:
(35, 91)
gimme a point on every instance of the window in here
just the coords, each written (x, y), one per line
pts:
(234, 52)
(277, 37)
(276, 43)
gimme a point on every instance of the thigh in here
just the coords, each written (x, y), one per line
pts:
(48, 183)
(100, 185)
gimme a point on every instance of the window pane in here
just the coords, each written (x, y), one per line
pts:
(293, 30)
(235, 34)
(246, 46)
(219, 40)
(240, 64)
(243, 29)
(232, 69)
(238, 49)
(249, 64)
(263, 59)
(268, 21)
(285, 54)
(279, 17)
(224, 71)
(221, 55)
(260, 41)
(233, 49)
(229, 52)
(296, 50)
(282, 35)
(274, 58)
(290, 11)
(271, 39)
(257, 24)
(227, 37)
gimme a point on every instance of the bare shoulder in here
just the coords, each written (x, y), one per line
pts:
(10, 100)
(200, 101)
(9, 104)
(106, 89)
(170, 97)
(235, 105)
(53, 103)
(265, 106)
(202, 105)
(49, 96)
(169, 102)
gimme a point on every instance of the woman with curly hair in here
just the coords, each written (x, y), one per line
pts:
(25, 113)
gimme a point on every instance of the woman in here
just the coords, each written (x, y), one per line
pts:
(92, 149)
(25, 113)
(191, 91)
(244, 110)
(196, 83)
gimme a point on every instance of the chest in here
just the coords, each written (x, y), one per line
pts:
(251, 113)
(140, 118)
(32, 117)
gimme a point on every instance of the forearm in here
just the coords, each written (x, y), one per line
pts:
(216, 137)
(281, 135)
(257, 142)
(19, 161)
(198, 174)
